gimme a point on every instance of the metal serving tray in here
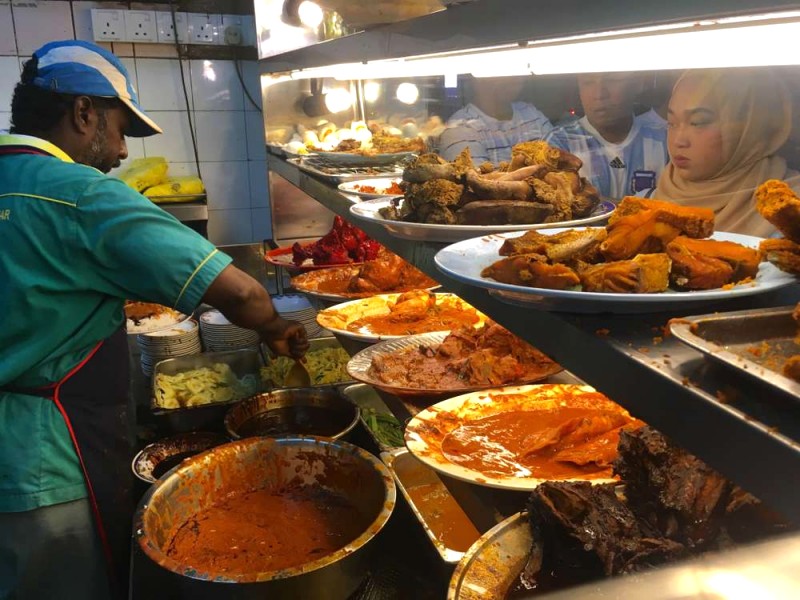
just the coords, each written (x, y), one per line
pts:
(435, 508)
(207, 416)
(756, 342)
(338, 175)
(319, 344)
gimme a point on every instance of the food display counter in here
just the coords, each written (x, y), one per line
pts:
(746, 429)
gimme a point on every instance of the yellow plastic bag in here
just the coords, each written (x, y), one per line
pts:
(145, 172)
(177, 189)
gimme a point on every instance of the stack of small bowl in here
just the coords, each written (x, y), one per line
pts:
(295, 307)
(181, 339)
(219, 334)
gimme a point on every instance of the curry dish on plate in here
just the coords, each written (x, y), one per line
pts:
(387, 273)
(394, 315)
(533, 433)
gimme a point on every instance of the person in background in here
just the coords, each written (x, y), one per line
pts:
(492, 122)
(621, 153)
(725, 127)
(74, 245)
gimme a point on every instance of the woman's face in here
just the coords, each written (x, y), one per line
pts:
(694, 134)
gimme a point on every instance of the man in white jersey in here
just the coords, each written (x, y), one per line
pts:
(622, 154)
(493, 122)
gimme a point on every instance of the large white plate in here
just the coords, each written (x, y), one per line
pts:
(379, 183)
(466, 259)
(425, 431)
(431, 232)
(359, 368)
(336, 318)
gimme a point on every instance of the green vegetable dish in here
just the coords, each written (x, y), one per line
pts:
(324, 366)
(385, 428)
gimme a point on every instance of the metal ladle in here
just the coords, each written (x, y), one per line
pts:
(297, 376)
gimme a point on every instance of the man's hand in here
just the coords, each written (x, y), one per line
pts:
(247, 304)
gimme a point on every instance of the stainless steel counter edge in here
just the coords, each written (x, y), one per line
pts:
(753, 439)
(464, 27)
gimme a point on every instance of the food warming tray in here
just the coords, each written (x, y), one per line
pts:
(447, 526)
(755, 342)
(337, 174)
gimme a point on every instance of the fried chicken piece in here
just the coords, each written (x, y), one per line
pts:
(691, 221)
(644, 274)
(782, 253)
(567, 246)
(412, 306)
(791, 368)
(710, 264)
(540, 152)
(429, 166)
(532, 270)
(779, 205)
(548, 194)
(429, 202)
(380, 275)
(638, 233)
(585, 200)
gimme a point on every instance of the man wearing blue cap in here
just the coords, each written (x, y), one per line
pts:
(74, 245)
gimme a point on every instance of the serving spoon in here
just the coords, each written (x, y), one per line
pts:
(297, 376)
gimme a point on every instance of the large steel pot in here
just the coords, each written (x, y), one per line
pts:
(319, 411)
(256, 463)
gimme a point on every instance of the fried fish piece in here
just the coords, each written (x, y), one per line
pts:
(692, 221)
(779, 205)
(567, 246)
(637, 233)
(782, 253)
(645, 273)
(532, 270)
(710, 264)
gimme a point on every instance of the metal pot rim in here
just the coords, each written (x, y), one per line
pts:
(287, 391)
(156, 555)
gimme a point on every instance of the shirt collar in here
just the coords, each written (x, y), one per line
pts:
(34, 142)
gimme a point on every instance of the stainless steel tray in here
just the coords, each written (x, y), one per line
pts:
(340, 174)
(755, 342)
(367, 399)
(440, 515)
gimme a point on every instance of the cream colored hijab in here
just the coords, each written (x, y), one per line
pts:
(755, 115)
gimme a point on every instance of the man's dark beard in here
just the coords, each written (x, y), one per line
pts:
(96, 155)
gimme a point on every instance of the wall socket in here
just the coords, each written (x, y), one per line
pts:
(140, 26)
(204, 29)
(165, 27)
(108, 25)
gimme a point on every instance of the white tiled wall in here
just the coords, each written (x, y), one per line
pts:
(228, 128)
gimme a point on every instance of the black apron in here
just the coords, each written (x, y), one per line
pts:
(93, 400)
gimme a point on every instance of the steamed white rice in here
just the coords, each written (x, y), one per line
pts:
(148, 324)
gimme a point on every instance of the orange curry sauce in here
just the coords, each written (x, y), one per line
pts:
(264, 530)
(558, 443)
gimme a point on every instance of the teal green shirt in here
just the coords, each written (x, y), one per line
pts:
(74, 244)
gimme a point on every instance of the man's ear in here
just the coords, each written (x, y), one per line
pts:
(84, 114)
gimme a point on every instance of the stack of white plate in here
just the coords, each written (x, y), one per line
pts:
(182, 339)
(296, 307)
(219, 334)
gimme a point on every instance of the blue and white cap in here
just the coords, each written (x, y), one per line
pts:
(85, 69)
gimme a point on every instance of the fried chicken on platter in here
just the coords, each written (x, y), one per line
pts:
(540, 152)
(782, 253)
(710, 264)
(692, 221)
(644, 274)
(531, 270)
(565, 246)
(641, 226)
(779, 205)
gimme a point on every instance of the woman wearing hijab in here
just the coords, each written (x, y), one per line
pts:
(724, 129)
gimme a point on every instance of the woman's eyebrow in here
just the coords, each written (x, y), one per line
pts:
(691, 112)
